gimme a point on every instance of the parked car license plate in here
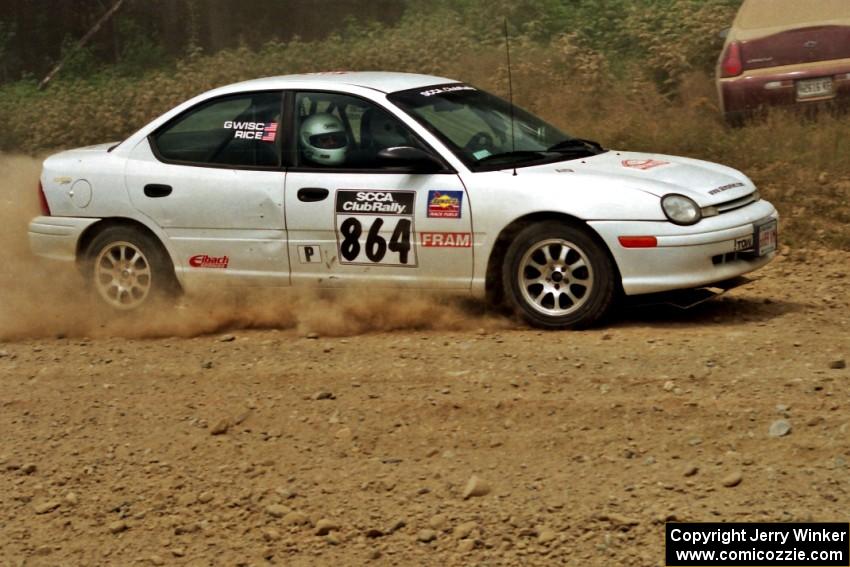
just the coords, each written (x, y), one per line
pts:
(765, 238)
(814, 88)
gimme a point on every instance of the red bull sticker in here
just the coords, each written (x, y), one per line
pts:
(445, 204)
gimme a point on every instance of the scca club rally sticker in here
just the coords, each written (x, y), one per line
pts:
(445, 204)
(265, 132)
(375, 227)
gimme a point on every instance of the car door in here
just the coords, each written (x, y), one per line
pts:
(211, 178)
(352, 219)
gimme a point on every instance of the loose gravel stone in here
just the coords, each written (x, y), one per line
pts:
(546, 535)
(296, 518)
(45, 506)
(118, 526)
(779, 428)
(221, 427)
(732, 479)
(325, 526)
(426, 536)
(277, 510)
(839, 364)
(475, 487)
(464, 530)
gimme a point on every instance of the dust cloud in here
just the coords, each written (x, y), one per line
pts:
(43, 298)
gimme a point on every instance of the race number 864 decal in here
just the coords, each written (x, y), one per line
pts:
(375, 227)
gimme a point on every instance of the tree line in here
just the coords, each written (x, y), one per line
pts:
(36, 34)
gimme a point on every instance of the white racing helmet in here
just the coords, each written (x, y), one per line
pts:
(323, 139)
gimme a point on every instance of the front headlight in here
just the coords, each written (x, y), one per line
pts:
(680, 209)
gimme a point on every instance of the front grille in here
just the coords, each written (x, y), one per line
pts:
(727, 206)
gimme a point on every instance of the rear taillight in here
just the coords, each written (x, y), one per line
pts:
(42, 201)
(732, 65)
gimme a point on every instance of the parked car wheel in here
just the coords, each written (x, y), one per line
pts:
(558, 277)
(128, 269)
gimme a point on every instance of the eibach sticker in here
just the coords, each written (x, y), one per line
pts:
(445, 204)
(643, 164)
(445, 239)
(206, 261)
(262, 131)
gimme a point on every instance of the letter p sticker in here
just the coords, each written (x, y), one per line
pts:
(310, 254)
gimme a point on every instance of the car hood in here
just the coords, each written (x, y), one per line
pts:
(705, 182)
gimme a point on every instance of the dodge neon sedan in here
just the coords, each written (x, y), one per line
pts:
(392, 180)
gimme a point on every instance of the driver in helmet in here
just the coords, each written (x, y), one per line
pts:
(323, 140)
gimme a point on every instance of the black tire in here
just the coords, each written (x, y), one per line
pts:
(129, 269)
(576, 285)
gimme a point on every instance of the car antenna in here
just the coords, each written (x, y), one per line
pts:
(510, 88)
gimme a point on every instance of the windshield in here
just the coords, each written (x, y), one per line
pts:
(477, 128)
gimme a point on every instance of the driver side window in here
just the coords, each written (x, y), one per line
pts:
(337, 131)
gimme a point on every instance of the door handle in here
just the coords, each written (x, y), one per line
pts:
(312, 194)
(155, 190)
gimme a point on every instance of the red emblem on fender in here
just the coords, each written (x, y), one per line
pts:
(205, 261)
(643, 164)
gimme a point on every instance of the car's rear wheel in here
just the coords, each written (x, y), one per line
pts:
(129, 269)
(558, 277)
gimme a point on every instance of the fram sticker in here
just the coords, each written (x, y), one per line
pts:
(445, 204)
(263, 131)
(205, 261)
(643, 164)
(310, 254)
(445, 239)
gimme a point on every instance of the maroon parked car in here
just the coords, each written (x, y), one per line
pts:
(784, 52)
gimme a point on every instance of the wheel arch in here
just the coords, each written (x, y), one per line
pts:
(493, 278)
(92, 232)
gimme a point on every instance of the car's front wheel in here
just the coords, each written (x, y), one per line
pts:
(129, 269)
(558, 277)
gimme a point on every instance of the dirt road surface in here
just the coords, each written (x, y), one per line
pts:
(269, 446)
(387, 429)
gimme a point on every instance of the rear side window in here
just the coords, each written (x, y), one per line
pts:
(240, 130)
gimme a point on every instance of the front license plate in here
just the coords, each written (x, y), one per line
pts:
(766, 238)
(814, 88)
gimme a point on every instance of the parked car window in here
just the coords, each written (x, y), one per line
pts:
(345, 132)
(239, 130)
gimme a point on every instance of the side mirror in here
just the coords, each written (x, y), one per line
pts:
(411, 158)
(724, 33)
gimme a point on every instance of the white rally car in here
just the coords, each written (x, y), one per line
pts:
(392, 179)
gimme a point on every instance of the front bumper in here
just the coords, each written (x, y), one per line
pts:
(57, 237)
(776, 86)
(686, 257)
